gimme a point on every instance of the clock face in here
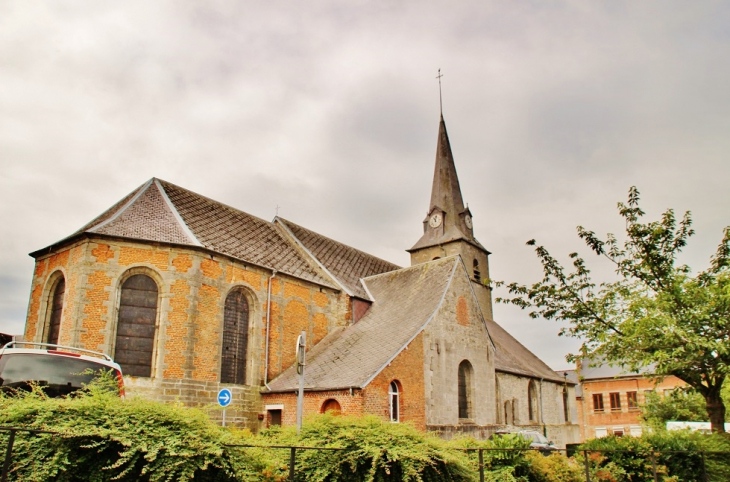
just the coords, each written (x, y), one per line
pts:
(467, 221)
(435, 220)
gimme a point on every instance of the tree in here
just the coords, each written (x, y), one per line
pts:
(656, 314)
(678, 405)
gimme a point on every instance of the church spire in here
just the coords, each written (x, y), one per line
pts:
(445, 192)
(447, 220)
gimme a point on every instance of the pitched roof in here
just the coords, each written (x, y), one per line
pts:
(345, 264)
(405, 301)
(592, 369)
(163, 212)
(511, 356)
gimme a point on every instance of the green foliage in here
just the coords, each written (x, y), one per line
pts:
(682, 405)
(106, 438)
(504, 457)
(677, 457)
(553, 468)
(655, 314)
(376, 451)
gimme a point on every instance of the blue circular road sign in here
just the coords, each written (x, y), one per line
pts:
(225, 397)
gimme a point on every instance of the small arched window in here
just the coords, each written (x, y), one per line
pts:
(136, 326)
(56, 308)
(235, 338)
(331, 406)
(532, 407)
(465, 390)
(477, 273)
(394, 402)
(508, 413)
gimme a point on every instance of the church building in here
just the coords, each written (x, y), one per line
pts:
(190, 296)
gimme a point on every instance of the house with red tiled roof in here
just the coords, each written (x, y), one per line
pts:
(190, 296)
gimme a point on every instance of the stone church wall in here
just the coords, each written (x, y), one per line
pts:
(193, 285)
(454, 335)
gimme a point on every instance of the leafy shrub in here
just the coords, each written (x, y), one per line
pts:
(504, 456)
(553, 468)
(105, 438)
(676, 457)
(375, 452)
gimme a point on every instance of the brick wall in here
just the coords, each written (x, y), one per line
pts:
(192, 287)
(624, 419)
(350, 403)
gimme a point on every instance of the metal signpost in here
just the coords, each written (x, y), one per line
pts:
(301, 347)
(225, 397)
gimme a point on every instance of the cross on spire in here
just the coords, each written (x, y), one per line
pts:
(441, 104)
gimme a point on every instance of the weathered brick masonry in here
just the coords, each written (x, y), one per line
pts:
(192, 289)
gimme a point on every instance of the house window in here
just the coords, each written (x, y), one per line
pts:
(618, 431)
(54, 321)
(477, 273)
(601, 432)
(632, 401)
(136, 327)
(615, 399)
(394, 402)
(235, 338)
(465, 375)
(332, 407)
(566, 407)
(275, 417)
(598, 403)
(532, 408)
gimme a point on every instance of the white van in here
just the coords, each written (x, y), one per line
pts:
(59, 369)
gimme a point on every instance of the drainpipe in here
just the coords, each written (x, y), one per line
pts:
(268, 324)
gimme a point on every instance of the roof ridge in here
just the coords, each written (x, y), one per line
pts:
(412, 267)
(418, 331)
(176, 213)
(287, 222)
(311, 255)
(227, 206)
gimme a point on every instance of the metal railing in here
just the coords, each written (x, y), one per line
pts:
(483, 468)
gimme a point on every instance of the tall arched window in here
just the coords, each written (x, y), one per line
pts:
(235, 338)
(465, 390)
(497, 401)
(532, 402)
(566, 410)
(477, 273)
(136, 326)
(394, 402)
(54, 320)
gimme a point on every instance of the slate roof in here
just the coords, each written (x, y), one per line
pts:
(163, 212)
(404, 302)
(604, 370)
(511, 356)
(345, 264)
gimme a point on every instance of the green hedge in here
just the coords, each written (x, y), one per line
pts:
(103, 438)
(677, 456)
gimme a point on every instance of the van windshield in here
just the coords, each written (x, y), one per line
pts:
(58, 375)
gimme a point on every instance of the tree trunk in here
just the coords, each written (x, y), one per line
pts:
(716, 410)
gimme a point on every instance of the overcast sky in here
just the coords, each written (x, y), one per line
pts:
(329, 110)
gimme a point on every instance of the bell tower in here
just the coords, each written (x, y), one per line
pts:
(448, 228)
